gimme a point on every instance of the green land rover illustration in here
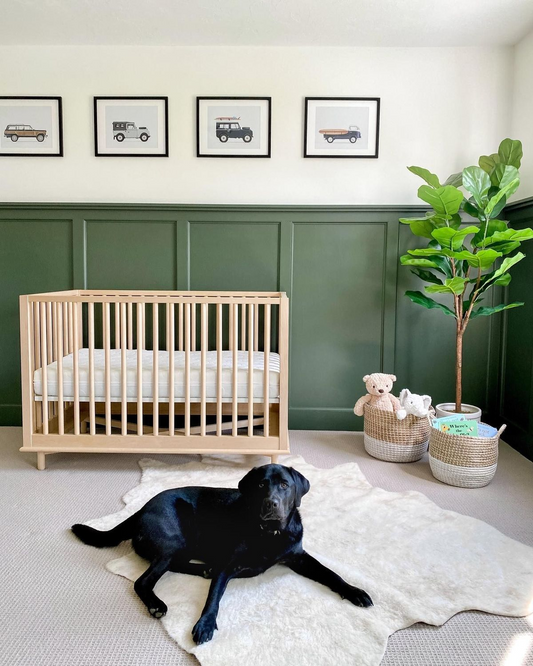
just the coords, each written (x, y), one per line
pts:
(229, 127)
(128, 130)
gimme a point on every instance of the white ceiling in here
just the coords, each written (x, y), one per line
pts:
(266, 22)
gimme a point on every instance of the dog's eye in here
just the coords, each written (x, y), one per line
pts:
(261, 485)
(284, 484)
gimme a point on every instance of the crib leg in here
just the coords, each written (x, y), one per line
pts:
(41, 460)
(274, 459)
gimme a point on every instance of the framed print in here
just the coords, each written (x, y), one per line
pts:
(31, 127)
(233, 126)
(131, 126)
(341, 127)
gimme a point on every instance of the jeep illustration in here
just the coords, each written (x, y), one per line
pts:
(352, 134)
(16, 132)
(126, 130)
(230, 128)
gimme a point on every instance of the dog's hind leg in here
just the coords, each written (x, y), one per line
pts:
(144, 585)
(191, 568)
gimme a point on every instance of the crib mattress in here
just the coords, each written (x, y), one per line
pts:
(163, 382)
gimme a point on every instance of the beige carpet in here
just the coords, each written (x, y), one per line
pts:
(61, 607)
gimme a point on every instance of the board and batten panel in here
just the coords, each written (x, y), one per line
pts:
(336, 320)
(234, 256)
(35, 256)
(131, 254)
(516, 391)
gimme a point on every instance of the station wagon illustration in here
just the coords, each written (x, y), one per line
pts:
(229, 127)
(128, 130)
(16, 132)
(352, 134)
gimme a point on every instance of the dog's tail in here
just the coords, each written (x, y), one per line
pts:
(105, 539)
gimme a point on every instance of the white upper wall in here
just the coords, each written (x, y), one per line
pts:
(523, 111)
(266, 22)
(441, 109)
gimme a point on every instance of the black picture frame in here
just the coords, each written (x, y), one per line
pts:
(343, 99)
(130, 98)
(59, 101)
(268, 100)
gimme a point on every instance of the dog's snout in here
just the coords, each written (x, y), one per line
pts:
(271, 503)
(381, 390)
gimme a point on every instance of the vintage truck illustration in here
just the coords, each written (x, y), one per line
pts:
(352, 134)
(229, 127)
(16, 132)
(128, 130)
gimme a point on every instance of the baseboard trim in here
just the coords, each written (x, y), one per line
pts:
(324, 418)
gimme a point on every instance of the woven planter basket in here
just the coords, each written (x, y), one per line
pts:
(387, 438)
(460, 460)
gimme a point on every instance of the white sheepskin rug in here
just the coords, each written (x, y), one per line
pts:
(418, 562)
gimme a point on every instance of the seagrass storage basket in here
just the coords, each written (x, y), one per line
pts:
(461, 460)
(387, 438)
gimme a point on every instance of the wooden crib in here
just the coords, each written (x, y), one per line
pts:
(155, 372)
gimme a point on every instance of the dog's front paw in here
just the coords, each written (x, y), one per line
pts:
(204, 629)
(158, 610)
(357, 597)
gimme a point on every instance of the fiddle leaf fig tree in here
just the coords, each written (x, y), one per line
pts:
(464, 259)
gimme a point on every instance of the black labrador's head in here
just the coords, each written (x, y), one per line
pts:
(274, 491)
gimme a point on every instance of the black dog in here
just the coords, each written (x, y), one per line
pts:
(237, 533)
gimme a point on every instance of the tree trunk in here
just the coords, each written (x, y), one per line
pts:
(458, 370)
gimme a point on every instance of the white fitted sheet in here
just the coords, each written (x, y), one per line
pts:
(163, 383)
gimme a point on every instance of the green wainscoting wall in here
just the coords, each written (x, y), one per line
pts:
(338, 265)
(515, 387)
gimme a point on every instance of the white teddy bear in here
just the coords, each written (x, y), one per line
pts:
(411, 403)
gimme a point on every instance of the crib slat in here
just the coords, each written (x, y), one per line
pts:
(70, 328)
(219, 369)
(243, 327)
(79, 314)
(256, 328)
(140, 346)
(65, 329)
(203, 362)
(180, 327)
(92, 409)
(59, 339)
(171, 380)
(130, 325)
(117, 325)
(107, 360)
(230, 328)
(266, 370)
(44, 369)
(193, 326)
(188, 369)
(234, 411)
(76, 367)
(37, 355)
(50, 347)
(155, 373)
(123, 369)
(251, 337)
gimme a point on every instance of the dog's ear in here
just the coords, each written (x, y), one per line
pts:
(301, 485)
(249, 481)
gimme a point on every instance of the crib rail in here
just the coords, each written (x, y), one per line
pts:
(59, 324)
